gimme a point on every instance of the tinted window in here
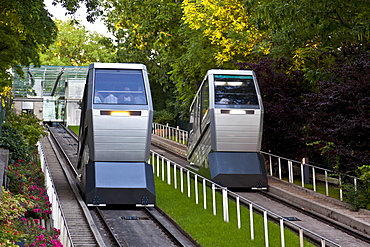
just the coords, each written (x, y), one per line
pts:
(114, 86)
(235, 90)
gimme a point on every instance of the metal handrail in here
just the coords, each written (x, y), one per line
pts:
(159, 162)
(57, 215)
(165, 130)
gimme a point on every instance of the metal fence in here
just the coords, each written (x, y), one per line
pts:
(57, 217)
(309, 176)
(175, 134)
(192, 184)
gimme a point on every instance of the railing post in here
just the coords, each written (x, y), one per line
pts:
(225, 203)
(340, 188)
(301, 242)
(204, 194)
(177, 133)
(238, 211)
(175, 175)
(214, 198)
(196, 189)
(314, 178)
(323, 244)
(167, 131)
(282, 235)
(326, 183)
(265, 224)
(158, 167)
(270, 160)
(302, 175)
(188, 178)
(168, 172)
(153, 162)
(182, 179)
(290, 172)
(279, 168)
(251, 220)
(162, 168)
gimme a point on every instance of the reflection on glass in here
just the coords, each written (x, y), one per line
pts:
(235, 90)
(114, 86)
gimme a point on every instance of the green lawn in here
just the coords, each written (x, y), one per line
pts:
(210, 230)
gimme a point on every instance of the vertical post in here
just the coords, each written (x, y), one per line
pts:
(214, 198)
(326, 183)
(162, 168)
(323, 244)
(188, 178)
(340, 188)
(225, 205)
(152, 162)
(168, 172)
(157, 165)
(301, 243)
(182, 179)
(302, 175)
(282, 235)
(279, 168)
(238, 211)
(204, 194)
(175, 175)
(251, 220)
(270, 160)
(306, 170)
(314, 178)
(196, 189)
(177, 134)
(167, 131)
(290, 171)
(355, 183)
(265, 223)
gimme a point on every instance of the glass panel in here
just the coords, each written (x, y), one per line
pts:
(235, 90)
(122, 86)
(205, 99)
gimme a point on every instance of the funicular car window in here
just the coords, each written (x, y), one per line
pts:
(235, 90)
(124, 86)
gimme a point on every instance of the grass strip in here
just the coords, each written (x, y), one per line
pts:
(211, 230)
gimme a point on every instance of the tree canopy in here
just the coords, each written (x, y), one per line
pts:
(25, 28)
(76, 46)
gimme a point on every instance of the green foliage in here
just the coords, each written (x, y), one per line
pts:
(20, 134)
(11, 209)
(308, 30)
(28, 125)
(25, 29)
(165, 117)
(13, 140)
(75, 46)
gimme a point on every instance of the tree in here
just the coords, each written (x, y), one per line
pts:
(311, 30)
(226, 23)
(339, 122)
(148, 33)
(75, 46)
(25, 29)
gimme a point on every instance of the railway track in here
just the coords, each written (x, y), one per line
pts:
(289, 208)
(112, 226)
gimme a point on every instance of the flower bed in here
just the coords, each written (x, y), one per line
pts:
(25, 208)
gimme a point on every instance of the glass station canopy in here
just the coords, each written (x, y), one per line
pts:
(60, 88)
(40, 81)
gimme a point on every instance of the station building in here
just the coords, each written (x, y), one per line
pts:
(52, 93)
